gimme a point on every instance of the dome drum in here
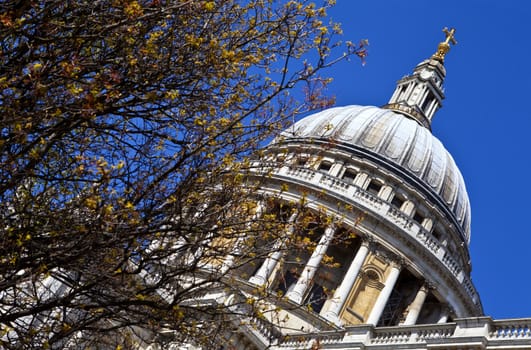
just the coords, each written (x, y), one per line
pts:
(398, 235)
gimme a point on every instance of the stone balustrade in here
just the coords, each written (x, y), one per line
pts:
(451, 264)
(465, 333)
(469, 287)
(438, 331)
(368, 198)
(400, 218)
(391, 335)
(265, 329)
(511, 329)
(429, 241)
(334, 182)
(301, 173)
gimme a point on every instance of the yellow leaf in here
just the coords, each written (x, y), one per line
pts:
(199, 122)
(91, 203)
(108, 209)
(133, 9)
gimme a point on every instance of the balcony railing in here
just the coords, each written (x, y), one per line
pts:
(499, 334)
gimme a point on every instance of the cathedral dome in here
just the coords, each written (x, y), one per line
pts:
(400, 140)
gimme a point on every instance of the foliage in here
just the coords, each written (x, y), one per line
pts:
(125, 129)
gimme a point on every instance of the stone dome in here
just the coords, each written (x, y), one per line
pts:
(398, 139)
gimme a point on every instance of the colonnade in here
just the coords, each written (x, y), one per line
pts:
(336, 303)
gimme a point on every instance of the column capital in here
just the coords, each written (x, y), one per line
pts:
(426, 287)
(373, 245)
(331, 226)
(390, 257)
(429, 285)
(369, 242)
(398, 263)
(394, 260)
(365, 242)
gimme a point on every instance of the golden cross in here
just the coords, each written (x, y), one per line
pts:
(450, 35)
(444, 46)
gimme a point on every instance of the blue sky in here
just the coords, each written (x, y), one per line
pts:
(485, 122)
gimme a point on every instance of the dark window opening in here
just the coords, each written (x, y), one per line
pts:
(316, 298)
(349, 175)
(339, 256)
(287, 280)
(325, 167)
(426, 102)
(372, 275)
(393, 310)
(402, 92)
(374, 187)
(418, 218)
(397, 201)
(282, 211)
(451, 247)
(436, 234)
(301, 161)
(313, 230)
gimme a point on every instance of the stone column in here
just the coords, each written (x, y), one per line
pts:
(304, 281)
(443, 317)
(385, 293)
(416, 306)
(264, 272)
(229, 260)
(342, 292)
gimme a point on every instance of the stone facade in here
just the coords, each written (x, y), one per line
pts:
(405, 280)
(404, 277)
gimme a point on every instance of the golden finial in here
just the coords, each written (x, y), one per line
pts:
(444, 46)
